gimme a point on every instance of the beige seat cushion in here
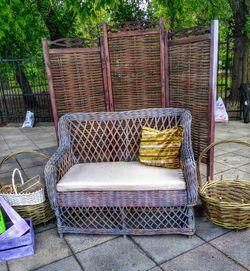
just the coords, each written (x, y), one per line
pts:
(120, 176)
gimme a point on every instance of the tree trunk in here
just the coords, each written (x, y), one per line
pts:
(28, 96)
(240, 73)
(239, 69)
(247, 63)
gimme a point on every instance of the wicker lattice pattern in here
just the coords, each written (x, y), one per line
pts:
(130, 220)
(135, 66)
(78, 82)
(189, 87)
(94, 137)
(123, 199)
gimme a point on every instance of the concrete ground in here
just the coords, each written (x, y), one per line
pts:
(211, 248)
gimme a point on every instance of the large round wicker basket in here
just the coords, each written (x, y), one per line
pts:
(226, 201)
(41, 212)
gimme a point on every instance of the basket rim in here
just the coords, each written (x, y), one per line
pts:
(23, 194)
(219, 202)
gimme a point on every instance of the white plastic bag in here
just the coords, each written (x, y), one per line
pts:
(29, 120)
(220, 111)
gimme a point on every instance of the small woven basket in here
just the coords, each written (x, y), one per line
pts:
(40, 213)
(226, 201)
(10, 194)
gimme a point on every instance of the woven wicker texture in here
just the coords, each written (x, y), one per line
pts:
(40, 213)
(135, 70)
(226, 201)
(15, 198)
(189, 70)
(78, 82)
(115, 136)
(130, 220)
(130, 71)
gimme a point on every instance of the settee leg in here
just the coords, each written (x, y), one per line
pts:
(61, 235)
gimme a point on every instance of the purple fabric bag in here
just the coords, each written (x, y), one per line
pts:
(19, 227)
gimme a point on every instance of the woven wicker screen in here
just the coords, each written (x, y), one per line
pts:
(135, 71)
(77, 81)
(135, 66)
(189, 72)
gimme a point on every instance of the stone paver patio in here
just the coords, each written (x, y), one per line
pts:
(211, 248)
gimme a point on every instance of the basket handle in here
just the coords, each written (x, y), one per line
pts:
(10, 155)
(13, 178)
(211, 146)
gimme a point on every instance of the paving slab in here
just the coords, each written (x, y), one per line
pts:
(3, 266)
(207, 230)
(164, 247)
(4, 151)
(218, 167)
(232, 160)
(17, 147)
(203, 258)
(49, 225)
(50, 151)
(245, 168)
(41, 136)
(9, 165)
(6, 178)
(119, 254)
(79, 242)
(66, 264)
(156, 269)
(30, 160)
(244, 152)
(232, 174)
(222, 135)
(14, 135)
(236, 245)
(17, 140)
(49, 248)
(46, 144)
(226, 148)
(33, 171)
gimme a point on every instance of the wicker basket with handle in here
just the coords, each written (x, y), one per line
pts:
(15, 198)
(40, 213)
(226, 201)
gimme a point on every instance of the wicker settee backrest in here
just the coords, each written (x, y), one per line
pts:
(115, 136)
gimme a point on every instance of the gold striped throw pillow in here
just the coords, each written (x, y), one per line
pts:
(161, 148)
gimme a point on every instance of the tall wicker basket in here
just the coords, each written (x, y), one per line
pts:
(40, 213)
(226, 201)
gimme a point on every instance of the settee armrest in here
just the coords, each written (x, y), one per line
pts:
(59, 163)
(190, 177)
(187, 160)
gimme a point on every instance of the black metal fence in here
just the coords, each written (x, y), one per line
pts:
(224, 78)
(23, 86)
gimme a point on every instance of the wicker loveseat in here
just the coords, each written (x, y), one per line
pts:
(97, 186)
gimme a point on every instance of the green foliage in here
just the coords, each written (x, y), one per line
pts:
(127, 11)
(186, 13)
(247, 26)
(21, 27)
(24, 22)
